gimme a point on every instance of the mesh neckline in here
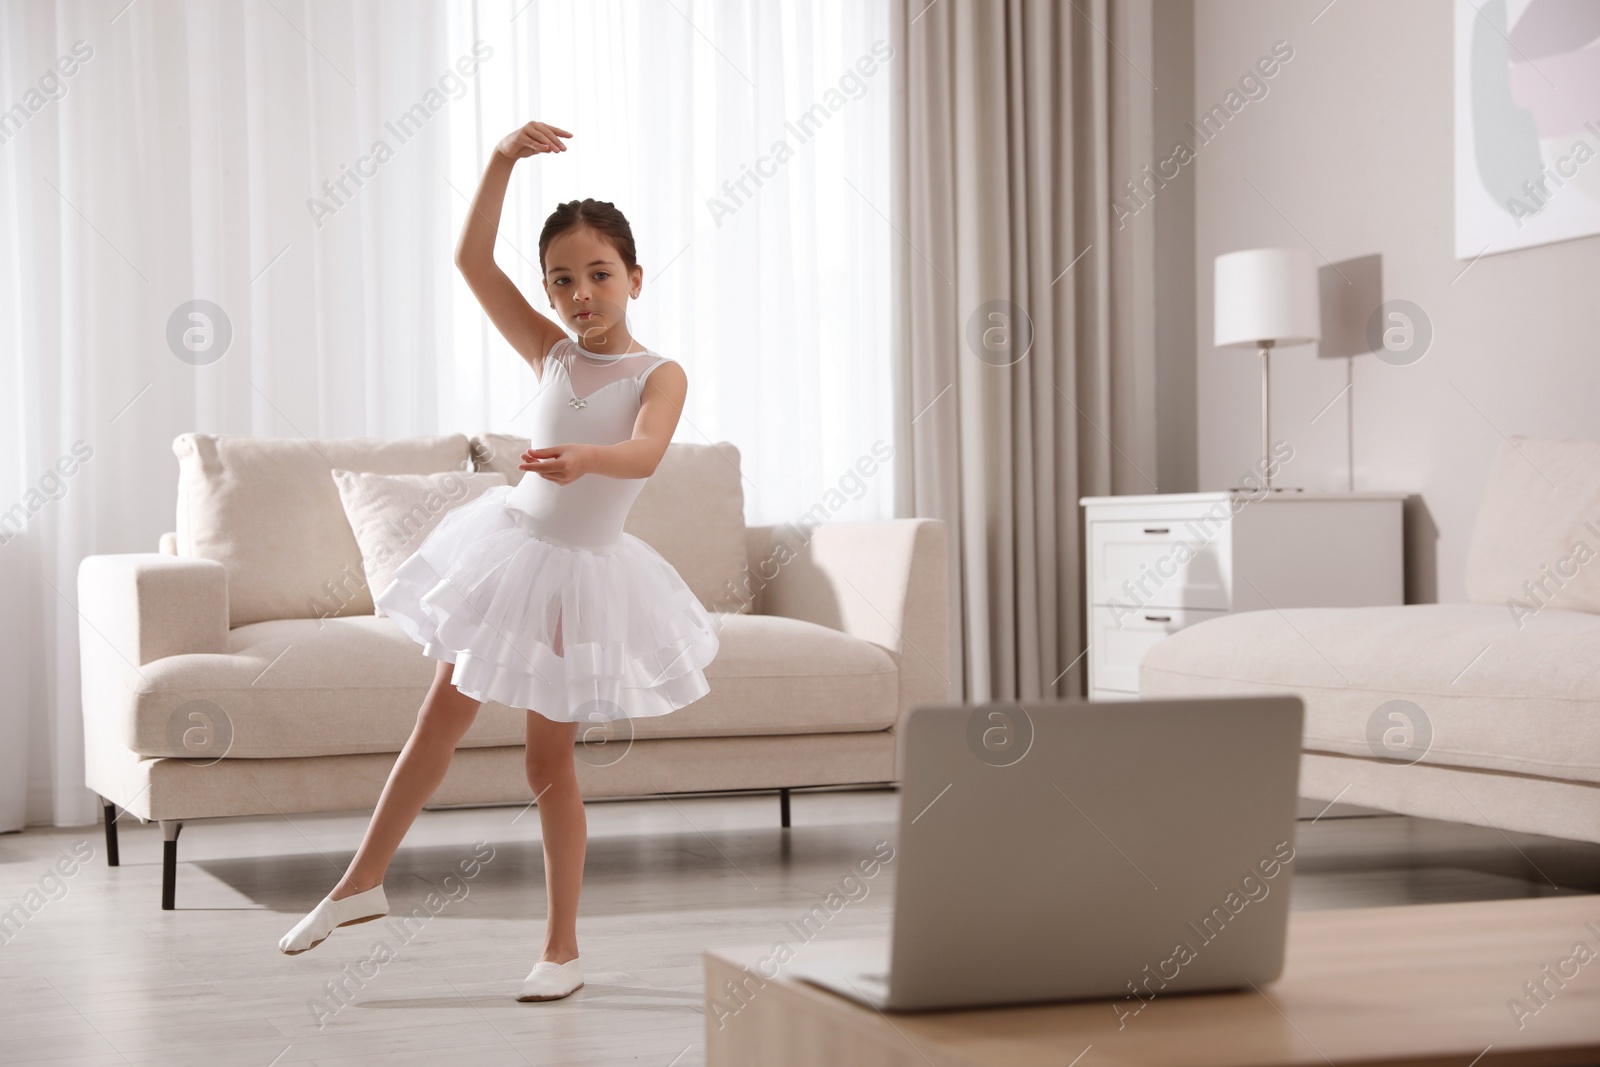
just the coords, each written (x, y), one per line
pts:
(599, 357)
(588, 375)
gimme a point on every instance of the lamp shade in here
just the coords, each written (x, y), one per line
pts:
(1266, 294)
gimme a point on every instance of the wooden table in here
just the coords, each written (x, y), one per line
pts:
(1426, 984)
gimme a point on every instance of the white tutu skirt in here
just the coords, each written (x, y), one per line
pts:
(578, 635)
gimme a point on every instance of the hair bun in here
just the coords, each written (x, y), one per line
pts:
(601, 216)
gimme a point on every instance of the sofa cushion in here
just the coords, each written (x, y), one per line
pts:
(1536, 542)
(268, 510)
(1494, 696)
(691, 510)
(303, 687)
(391, 514)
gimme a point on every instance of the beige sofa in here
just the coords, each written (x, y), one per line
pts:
(241, 669)
(1486, 712)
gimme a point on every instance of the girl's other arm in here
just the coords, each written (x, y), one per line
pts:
(659, 409)
(527, 331)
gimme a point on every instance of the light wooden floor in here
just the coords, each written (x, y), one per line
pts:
(100, 975)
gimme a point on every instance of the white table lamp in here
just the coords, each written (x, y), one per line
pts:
(1265, 297)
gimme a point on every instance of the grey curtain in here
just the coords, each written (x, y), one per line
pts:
(1025, 339)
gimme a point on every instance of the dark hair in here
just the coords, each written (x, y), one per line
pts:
(601, 216)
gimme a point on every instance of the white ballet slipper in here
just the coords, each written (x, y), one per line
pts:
(314, 929)
(551, 981)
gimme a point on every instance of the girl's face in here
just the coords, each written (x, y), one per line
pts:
(587, 284)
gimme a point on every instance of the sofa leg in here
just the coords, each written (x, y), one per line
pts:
(169, 863)
(783, 807)
(113, 859)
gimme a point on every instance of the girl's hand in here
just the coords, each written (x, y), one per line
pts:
(561, 463)
(531, 139)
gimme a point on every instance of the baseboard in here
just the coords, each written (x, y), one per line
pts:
(1313, 809)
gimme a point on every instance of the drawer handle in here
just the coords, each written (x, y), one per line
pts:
(1156, 530)
(1158, 618)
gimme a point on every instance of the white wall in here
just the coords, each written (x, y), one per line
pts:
(1352, 146)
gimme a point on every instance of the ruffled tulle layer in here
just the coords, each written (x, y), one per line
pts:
(578, 635)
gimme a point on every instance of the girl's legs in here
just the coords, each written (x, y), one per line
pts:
(554, 780)
(441, 721)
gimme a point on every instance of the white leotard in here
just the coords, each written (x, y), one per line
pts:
(583, 398)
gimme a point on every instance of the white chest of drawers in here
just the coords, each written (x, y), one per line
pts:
(1156, 564)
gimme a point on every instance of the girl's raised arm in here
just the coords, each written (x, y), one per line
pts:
(527, 331)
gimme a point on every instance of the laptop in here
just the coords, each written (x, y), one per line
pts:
(1066, 850)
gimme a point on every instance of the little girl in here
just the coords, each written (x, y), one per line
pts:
(533, 595)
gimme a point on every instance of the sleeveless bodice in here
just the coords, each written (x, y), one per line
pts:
(582, 399)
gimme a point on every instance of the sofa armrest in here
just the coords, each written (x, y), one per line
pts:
(147, 606)
(883, 581)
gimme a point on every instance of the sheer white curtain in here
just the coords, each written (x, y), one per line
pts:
(774, 295)
(305, 167)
